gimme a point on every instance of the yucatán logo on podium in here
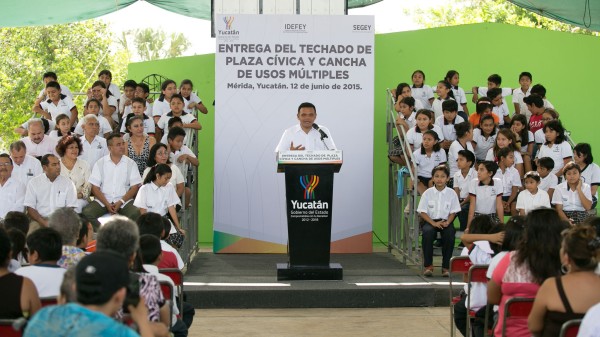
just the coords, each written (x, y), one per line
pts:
(309, 183)
(311, 208)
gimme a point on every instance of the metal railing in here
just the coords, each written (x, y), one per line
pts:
(403, 224)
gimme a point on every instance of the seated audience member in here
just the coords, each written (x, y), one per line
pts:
(173, 122)
(159, 154)
(142, 90)
(535, 104)
(19, 295)
(548, 181)
(567, 297)
(44, 251)
(547, 116)
(177, 110)
(556, 146)
(85, 238)
(138, 143)
(479, 252)
(75, 168)
(590, 171)
(12, 191)
(49, 125)
(151, 253)
(532, 197)
(37, 143)
(179, 153)
(93, 146)
(24, 166)
(18, 251)
(152, 223)
(138, 108)
(92, 107)
(62, 127)
(47, 192)
(572, 198)
(108, 103)
(101, 280)
(106, 77)
(540, 90)
(115, 181)
(522, 92)
(121, 235)
(51, 76)
(68, 293)
(158, 195)
(511, 181)
(16, 220)
(126, 98)
(483, 107)
(67, 223)
(482, 191)
(56, 104)
(191, 100)
(521, 272)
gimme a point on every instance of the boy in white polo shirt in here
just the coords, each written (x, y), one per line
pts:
(511, 181)
(179, 154)
(462, 178)
(485, 193)
(438, 207)
(56, 104)
(548, 181)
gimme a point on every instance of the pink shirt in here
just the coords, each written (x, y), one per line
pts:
(514, 281)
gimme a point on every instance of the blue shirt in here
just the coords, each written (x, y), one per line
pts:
(74, 320)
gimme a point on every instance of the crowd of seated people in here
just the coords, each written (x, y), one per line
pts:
(68, 174)
(502, 161)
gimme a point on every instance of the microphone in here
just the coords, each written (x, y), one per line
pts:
(323, 134)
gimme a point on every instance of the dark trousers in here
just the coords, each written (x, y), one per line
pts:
(463, 216)
(429, 235)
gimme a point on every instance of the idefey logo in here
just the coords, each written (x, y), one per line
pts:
(228, 21)
(309, 183)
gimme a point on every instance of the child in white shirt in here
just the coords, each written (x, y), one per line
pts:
(532, 197)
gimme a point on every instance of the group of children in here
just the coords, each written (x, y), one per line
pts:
(489, 163)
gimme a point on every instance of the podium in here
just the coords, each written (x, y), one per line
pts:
(309, 196)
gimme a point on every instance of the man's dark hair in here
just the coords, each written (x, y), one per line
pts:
(46, 159)
(47, 243)
(150, 248)
(112, 136)
(307, 105)
(6, 155)
(129, 84)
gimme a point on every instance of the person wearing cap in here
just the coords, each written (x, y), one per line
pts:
(101, 280)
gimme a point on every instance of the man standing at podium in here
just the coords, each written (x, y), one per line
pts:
(307, 135)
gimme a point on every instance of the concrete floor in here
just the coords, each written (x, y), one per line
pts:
(397, 322)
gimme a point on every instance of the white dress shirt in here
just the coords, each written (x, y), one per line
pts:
(311, 141)
(45, 196)
(462, 182)
(568, 198)
(528, 202)
(12, 196)
(94, 150)
(104, 126)
(558, 152)
(46, 146)
(156, 199)
(31, 167)
(510, 177)
(176, 176)
(114, 180)
(439, 204)
(455, 147)
(63, 106)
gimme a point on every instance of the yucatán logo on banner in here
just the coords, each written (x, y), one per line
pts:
(309, 183)
(228, 31)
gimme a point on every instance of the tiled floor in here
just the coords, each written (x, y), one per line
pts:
(397, 322)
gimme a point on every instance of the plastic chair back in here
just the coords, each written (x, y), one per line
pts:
(516, 308)
(570, 328)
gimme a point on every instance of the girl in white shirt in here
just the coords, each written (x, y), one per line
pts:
(63, 127)
(556, 146)
(590, 171)
(506, 138)
(484, 136)
(532, 197)
(520, 127)
(453, 78)
(444, 92)
(420, 90)
(403, 90)
(158, 195)
(573, 197)
(428, 157)
(424, 122)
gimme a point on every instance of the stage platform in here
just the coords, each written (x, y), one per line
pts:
(373, 280)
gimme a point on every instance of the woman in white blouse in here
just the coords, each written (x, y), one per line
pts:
(76, 169)
(159, 154)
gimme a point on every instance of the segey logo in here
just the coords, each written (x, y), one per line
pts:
(309, 183)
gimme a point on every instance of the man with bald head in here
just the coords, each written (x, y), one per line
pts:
(37, 143)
